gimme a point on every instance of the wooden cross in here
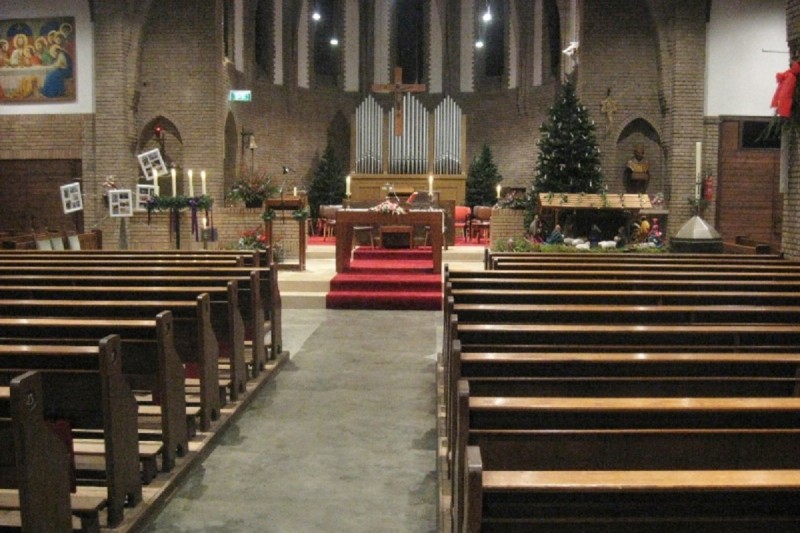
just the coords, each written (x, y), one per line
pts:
(398, 88)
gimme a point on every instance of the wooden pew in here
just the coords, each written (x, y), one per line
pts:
(85, 386)
(624, 435)
(729, 501)
(149, 361)
(35, 466)
(654, 258)
(259, 295)
(577, 263)
(143, 302)
(610, 274)
(253, 258)
(193, 334)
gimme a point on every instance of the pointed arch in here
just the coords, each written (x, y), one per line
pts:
(230, 151)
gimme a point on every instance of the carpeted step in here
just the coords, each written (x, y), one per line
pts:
(405, 301)
(393, 254)
(350, 281)
(378, 267)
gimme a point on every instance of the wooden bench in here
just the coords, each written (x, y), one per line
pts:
(144, 302)
(259, 296)
(252, 258)
(149, 362)
(34, 466)
(744, 245)
(193, 335)
(652, 258)
(623, 436)
(85, 386)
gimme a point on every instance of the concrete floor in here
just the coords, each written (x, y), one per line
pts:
(343, 438)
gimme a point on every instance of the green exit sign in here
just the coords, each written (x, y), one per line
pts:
(240, 96)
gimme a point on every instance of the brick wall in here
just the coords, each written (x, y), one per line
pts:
(791, 224)
(164, 59)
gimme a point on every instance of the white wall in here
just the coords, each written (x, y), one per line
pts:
(84, 63)
(741, 63)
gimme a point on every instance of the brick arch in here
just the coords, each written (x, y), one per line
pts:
(230, 160)
(639, 131)
(170, 144)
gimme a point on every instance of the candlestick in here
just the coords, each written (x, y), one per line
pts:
(174, 183)
(347, 185)
(203, 181)
(155, 181)
(191, 184)
(430, 184)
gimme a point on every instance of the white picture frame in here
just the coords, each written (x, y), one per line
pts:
(152, 161)
(143, 194)
(71, 199)
(120, 203)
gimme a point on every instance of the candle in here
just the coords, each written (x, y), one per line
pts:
(191, 184)
(155, 181)
(347, 185)
(174, 183)
(430, 184)
(498, 191)
(203, 181)
(698, 162)
(294, 191)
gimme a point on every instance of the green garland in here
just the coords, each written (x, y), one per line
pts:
(167, 203)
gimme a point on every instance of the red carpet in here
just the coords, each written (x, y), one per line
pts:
(387, 279)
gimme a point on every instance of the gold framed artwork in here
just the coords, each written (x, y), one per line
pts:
(37, 60)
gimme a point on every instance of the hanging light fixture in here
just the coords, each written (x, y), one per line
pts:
(487, 16)
(334, 41)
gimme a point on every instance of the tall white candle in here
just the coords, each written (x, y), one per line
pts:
(174, 183)
(203, 181)
(155, 181)
(347, 185)
(294, 191)
(430, 184)
(498, 191)
(191, 183)
(698, 164)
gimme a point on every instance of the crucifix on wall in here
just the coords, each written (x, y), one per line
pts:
(397, 89)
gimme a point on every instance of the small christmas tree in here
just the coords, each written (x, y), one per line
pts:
(569, 160)
(328, 185)
(482, 179)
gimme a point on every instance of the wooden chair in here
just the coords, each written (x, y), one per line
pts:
(461, 220)
(328, 215)
(481, 221)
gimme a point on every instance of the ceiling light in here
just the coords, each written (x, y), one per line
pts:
(479, 44)
(488, 15)
(316, 16)
(334, 41)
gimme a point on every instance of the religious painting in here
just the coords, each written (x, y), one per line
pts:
(37, 60)
(120, 203)
(143, 195)
(152, 164)
(71, 199)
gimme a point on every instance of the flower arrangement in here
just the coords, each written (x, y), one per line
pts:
(253, 188)
(387, 206)
(254, 239)
(301, 214)
(514, 199)
(269, 214)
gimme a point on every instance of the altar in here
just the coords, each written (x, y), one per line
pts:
(347, 219)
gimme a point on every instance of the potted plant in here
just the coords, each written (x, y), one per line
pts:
(252, 188)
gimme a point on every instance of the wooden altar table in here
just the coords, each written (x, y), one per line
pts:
(346, 219)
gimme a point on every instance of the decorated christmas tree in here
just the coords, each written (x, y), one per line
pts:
(328, 185)
(482, 179)
(569, 160)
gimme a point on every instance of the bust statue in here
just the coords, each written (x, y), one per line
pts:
(637, 171)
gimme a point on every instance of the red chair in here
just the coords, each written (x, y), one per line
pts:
(461, 220)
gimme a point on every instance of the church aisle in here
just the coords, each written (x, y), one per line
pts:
(342, 439)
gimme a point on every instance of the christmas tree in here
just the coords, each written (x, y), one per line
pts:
(328, 185)
(569, 160)
(482, 179)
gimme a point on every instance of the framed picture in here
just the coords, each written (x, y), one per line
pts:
(143, 194)
(151, 161)
(38, 60)
(120, 203)
(71, 199)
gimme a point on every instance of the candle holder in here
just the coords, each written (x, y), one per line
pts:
(346, 202)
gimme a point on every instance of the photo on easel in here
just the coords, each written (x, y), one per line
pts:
(151, 161)
(143, 195)
(71, 198)
(120, 203)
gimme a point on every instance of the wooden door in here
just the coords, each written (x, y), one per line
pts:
(746, 190)
(30, 194)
